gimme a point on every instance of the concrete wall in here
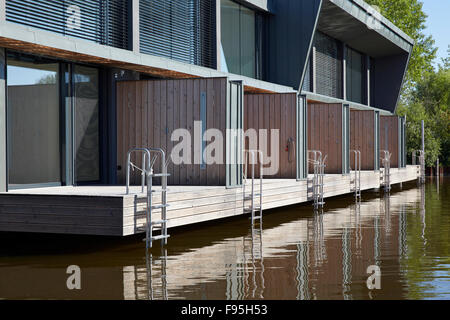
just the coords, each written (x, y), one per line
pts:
(3, 175)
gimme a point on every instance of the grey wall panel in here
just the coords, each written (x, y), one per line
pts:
(290, 35)
(387, 80)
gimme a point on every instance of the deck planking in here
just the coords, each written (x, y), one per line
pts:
(108, 211)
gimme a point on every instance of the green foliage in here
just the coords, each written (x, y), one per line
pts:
(446, 61)
(409, 16)
(433, 92)
(415, 113)
(48, 79)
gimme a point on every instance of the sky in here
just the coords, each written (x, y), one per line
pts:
(438, 24)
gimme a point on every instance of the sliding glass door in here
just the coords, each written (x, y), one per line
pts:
(86, 123)
(34, 151)
(53, 122)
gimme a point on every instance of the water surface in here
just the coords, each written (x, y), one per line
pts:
(296, 254)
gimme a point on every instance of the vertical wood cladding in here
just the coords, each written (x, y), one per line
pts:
(389, 138)
(274, 111)
(362, 137)
(149, 111)
(325, 133)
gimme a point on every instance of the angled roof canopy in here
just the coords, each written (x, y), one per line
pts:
(363, 28)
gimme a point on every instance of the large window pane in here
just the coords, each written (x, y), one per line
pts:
(230, 35)
(33, 121)
(87, 142)
(248, 43)
(238, 37)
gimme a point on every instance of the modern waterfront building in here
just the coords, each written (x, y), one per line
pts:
(82, 82)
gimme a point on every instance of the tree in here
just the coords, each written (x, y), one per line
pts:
(415, 113)
(433, 93)
(409, 16)
(446, 61)
(48, 79)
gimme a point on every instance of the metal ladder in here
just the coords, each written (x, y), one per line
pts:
(421, 169)
(163, 266)
(357, 180)
(316, 184)
(386, 177)
(147, 179)
(253, 155)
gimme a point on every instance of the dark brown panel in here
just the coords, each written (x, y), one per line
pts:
(325, 133)
(362, 137)
(273, 111)
(149, 112)
(389, 137)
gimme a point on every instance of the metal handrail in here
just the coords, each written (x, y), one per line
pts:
(254, 155)
(421, 158)
(147, 178)
(386, 160)
(357, 182)
(318, 179)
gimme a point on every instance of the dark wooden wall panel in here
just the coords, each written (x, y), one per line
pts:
(325, 133)
(362, 137)
(149, 111)
(389, 138)
(274, 111)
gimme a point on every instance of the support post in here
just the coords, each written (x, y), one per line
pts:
(437, 168)
(2, 11)
(3, 158)
(313, 66)
(302, 132)
(377, 141)
(344, 72)
(345, 139)
(423, 136)
(218, 36)
(135, 26)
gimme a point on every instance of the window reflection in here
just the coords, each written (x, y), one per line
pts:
(33, 121)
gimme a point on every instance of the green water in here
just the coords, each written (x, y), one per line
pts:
(297, 254)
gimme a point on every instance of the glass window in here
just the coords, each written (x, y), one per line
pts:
(355, 71)
(248, 43)
(238, 37)
(87, 140)
(33, 121)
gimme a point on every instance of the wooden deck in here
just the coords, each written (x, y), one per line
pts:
(107, 210)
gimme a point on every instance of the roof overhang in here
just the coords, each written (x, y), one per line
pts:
(39, 42)
(363, 28)
(260, 5)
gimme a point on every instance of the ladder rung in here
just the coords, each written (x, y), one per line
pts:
(160, 175)
(160, 237)
(159, 222)
(250, 196)
(160, 206)
(160, 190)
(157, 238)
(248, 210)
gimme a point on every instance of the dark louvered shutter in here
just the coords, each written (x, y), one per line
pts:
(183, 30)
(328, 66)
(102, 21)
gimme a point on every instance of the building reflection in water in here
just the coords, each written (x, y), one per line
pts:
(295, 258)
